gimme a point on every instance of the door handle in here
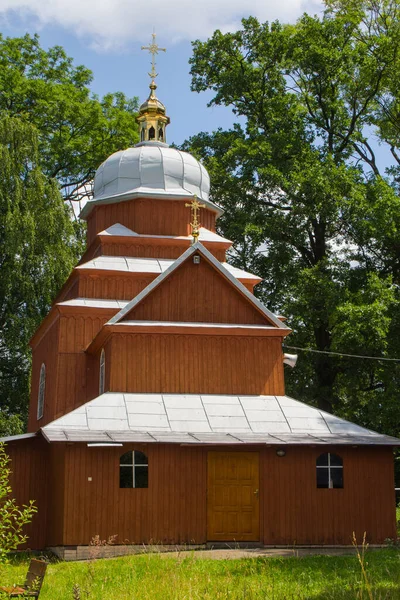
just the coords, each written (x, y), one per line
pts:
(256, 493)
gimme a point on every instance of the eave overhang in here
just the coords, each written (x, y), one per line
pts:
(182, 328)
(207, 419)
(144, 193)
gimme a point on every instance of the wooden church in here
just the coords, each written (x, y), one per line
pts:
(158, 411)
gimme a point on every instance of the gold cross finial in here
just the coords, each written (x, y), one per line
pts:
(154, 49)
(195, 206)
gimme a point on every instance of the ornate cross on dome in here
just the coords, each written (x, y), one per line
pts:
(195, 206)
(153, 48)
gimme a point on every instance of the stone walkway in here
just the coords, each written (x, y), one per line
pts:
(236, 553)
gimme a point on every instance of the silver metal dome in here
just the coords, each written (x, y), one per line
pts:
(150, 169)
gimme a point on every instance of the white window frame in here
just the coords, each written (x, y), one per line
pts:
(330, 468)
(133, 465)
(102, 372)
(41, 392)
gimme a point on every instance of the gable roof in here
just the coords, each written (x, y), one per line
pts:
(207, 419)
(199, 248)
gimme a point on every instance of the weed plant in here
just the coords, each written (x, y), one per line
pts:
(166, 577)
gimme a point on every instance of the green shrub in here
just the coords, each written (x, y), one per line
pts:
(12, 517)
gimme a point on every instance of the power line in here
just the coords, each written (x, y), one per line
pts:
(342, 354)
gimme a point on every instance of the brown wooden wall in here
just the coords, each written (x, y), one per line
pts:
(71, 374)
(147, 216)
(45, 352)
(194, 364)
(146, 248)
(168, 511)
(295, 511)
(57, 494)
(197, 293)
(121, 286)
(112, 285)
(173, 508)
(77, 382)
(70, 291)
(29, 478)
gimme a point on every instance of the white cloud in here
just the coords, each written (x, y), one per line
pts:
(108, 24)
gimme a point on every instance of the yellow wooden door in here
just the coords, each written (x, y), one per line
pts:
(233, 496)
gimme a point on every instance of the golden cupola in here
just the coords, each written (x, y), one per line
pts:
(152, 116)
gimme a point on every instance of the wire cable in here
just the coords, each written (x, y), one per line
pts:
(341, 354)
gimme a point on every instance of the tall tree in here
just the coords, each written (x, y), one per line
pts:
(54, 133)
(38, 249)
(304, 200)
(77, 130)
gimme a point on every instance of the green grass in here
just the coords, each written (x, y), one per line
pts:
(162, 577)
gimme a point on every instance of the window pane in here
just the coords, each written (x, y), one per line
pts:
(337, 478)
(141, 477)
(125, 477)
(336, 461)
(322, 461)
(126, 459)
(140, 458)
(323, 478)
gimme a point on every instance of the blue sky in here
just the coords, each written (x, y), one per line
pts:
(106, 36)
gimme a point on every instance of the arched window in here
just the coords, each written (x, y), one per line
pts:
(42, 385)
(102, 371)
(133, 470)
(329, 471)
(152, 133)
(160, 134)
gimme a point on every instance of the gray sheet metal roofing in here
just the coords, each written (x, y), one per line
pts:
(118, 230)
(148, 265)
(150, 169)
(206, 419)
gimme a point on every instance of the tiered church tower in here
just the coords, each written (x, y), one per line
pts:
(144, 293)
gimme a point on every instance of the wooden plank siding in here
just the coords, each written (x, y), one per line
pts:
(29, 478)
(193, 364)
(113, 286)
(197, 293)
(56, 493)
(173, 509)
(146, 247)
(147, 216)
(44, 352)
(71, 374)
(296, 512)
(78, 372)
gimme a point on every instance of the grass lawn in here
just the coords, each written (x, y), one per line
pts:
(163, 577)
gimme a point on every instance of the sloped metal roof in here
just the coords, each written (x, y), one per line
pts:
(94, 303)
(14, 438)
(148, 265)
(121, 231)
(206, 419)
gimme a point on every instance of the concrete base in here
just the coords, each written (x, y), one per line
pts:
(109, 551)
